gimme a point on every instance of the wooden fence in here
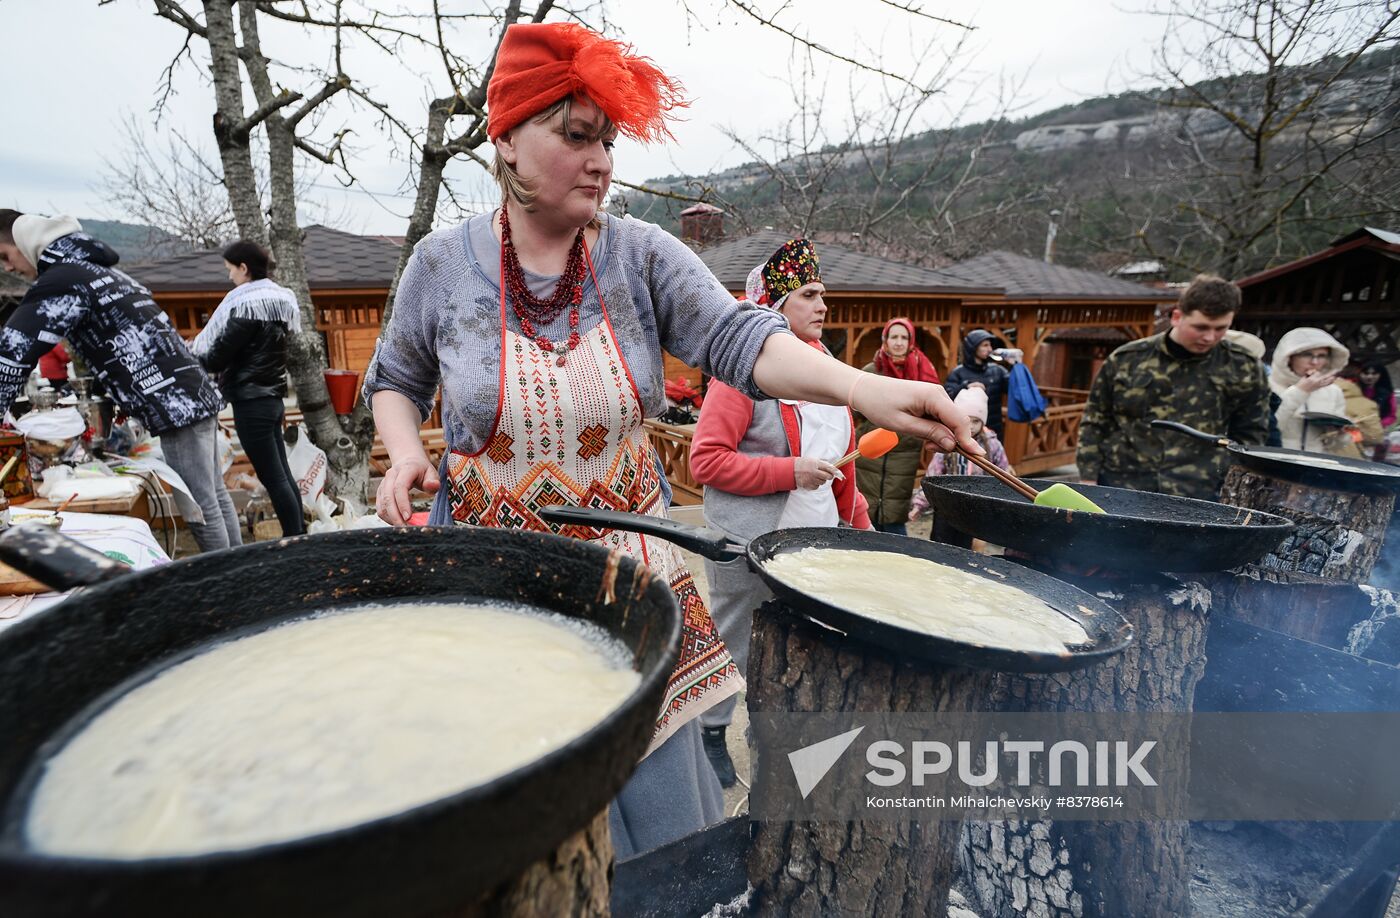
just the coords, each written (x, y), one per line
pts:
(1043, 444)
(1049, 441)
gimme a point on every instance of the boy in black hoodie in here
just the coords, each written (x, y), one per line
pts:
(131, 347)
(977, 366)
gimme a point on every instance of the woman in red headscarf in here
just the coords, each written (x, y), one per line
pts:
(544, 320)
(888, 482)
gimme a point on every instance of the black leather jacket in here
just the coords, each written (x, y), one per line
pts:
(251, 358)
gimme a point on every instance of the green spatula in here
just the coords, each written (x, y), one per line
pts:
(1059, 495)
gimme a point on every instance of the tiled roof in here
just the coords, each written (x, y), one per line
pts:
(843, 269)
(1386, 236)
(1091, 334)
(1026, 277)
(334, 260)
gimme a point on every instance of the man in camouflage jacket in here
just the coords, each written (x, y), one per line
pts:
(1188, 374)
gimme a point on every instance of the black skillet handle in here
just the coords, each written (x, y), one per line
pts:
(43, 553)
(1190, 432)
(707, 542)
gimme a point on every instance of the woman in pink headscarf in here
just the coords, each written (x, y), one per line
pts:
(888, 482)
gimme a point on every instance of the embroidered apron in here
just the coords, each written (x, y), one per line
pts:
(569, 431)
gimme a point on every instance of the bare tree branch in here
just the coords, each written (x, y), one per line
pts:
(771, 22)
(919, 11)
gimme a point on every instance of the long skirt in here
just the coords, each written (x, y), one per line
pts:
(672, 794)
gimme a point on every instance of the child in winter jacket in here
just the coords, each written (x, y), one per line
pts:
(973, 402)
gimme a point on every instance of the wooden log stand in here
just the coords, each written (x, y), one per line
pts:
(1339, 533)
(1304, 606)
(868, 868)
(1070, 869)
(574, 879)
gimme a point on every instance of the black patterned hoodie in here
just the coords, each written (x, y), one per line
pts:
(118, 329)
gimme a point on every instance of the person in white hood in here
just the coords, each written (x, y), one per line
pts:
(1304, 370)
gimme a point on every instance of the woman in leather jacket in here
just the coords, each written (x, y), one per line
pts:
(245, 342)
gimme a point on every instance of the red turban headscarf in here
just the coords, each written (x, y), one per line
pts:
(915, 365)
(540, 63)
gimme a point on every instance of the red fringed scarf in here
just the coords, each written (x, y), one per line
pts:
(915, 365)
(540, 63)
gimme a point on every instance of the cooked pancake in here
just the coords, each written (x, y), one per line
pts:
(925, 596)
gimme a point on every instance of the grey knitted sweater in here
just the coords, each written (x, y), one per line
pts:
(446, 324)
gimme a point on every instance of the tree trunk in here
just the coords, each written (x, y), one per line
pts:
(876, 868)
(1070, 869)
(347, 444)
(1302, 605)
(1339, 534)
(232, 137)
(574, 879)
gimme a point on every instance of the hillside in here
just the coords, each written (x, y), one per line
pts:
(135, 242)
(1123, 170)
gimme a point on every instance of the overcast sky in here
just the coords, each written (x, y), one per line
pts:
(72, 70)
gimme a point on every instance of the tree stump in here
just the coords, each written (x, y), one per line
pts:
(1339, 534)
(1301, 605)
(1071, 869)
(574, 879)
(866, 868)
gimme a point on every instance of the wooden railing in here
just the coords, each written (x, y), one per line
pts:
(672, 444)
(1046, 443)
(1058, 396)
(1049, 441)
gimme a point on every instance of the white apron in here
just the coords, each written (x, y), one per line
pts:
(826, 432)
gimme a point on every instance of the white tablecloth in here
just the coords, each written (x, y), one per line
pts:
(123, 538)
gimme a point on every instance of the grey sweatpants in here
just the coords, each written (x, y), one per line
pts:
(193, 452)
(735, 592)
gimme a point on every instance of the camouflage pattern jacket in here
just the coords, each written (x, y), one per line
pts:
(1222, 392)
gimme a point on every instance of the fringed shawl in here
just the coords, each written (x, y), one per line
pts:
(263, 300)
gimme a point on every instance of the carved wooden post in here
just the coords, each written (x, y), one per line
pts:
(1105, 869)
(1339, 533)
(874, 868)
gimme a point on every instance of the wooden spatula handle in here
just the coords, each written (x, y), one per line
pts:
(1005, 477)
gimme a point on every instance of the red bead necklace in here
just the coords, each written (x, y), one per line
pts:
(530, 309)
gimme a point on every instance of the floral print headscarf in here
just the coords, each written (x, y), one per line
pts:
(793, 266)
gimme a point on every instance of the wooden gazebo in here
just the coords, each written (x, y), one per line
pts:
(1065, 321)
(1348, 289)
(349, 276)
(863, 293)
(1023, 301)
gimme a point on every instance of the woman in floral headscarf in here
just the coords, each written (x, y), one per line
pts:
(544, 320)
(767, 465)
(888, 482)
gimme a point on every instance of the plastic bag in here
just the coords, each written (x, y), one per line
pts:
(224, 444)
(349, 518)
(57, 425)
(308, 462)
